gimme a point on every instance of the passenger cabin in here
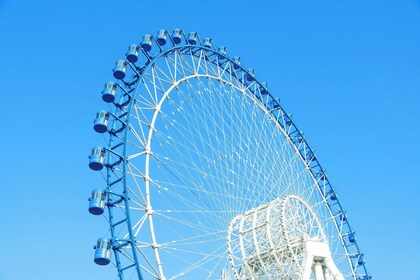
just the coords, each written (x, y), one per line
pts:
(103, 251)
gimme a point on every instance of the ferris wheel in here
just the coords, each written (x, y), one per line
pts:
(207, 177)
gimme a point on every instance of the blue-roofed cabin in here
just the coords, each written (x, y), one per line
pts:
(222, 52)
(97, 159)
(146, 43)
(360, 261)
(103, 251)
(208, 43)
(108, 94)
(192, 38)
(237, 62)
(310, 157)
(263, 89)
(132, 53)
(100, 124)
(275, 106)
(120, 69)
(299, 139)
(177, 36)
(332, 195)
(322, 176)
(97, 202)
(161, 37)
(250, 75)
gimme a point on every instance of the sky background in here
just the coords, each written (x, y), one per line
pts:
(348, 71)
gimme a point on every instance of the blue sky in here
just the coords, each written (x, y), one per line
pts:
(348, 71)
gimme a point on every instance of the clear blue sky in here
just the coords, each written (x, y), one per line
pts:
(348, 71)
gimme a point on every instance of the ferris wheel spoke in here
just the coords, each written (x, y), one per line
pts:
(140, 139)
(196, 239)
(181, 65)
(139, 225)
(224, 144)
(150, 269)
(199, 264)
(189, 144)
(197, 60)
(135, 174)
(198, 193)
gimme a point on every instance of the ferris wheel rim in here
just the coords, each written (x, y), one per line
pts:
(175, 48)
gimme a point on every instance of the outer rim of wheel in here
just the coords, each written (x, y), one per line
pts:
(294, 137)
